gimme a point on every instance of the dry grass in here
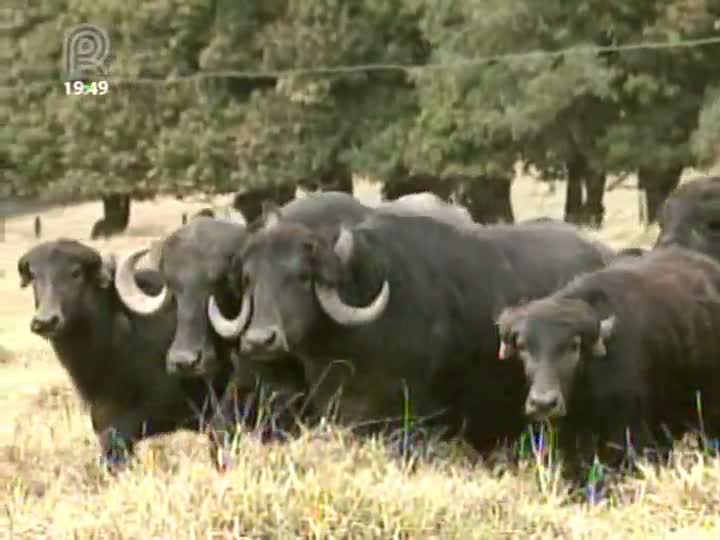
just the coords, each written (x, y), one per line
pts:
(324, 485)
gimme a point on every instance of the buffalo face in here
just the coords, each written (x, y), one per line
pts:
(691, 218)
(193, 262)
(552, 339)
(66, 277)
(289, 276)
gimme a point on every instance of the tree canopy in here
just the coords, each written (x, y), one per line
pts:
(457, 96)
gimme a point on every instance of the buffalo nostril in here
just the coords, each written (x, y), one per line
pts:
(544, 404)
(270, 338)
(195, 362)
(551, 403)
(185, 362)
(44, 326)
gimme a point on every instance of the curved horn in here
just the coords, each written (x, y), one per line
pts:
(329, 297)
(154, 255)
(344, 314)
(130, 294)
(228, 328)
(606, 329)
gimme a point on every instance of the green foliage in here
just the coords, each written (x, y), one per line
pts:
(619, 111)
(706, 140)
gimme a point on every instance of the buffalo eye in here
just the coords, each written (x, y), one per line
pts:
(76, 272)
(245, 281)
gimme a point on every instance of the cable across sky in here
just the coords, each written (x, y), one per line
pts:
(409, 68)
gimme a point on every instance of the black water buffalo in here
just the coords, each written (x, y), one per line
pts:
(114, 358)
(205, 212)
(690, 217)
(618, 358)
(487, 198)
(394, 317)
(428, 204)
(193, 263)
(328, 211)
(223, 213)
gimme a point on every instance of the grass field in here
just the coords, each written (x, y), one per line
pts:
(324, 485)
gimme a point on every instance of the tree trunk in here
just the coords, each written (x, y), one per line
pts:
(116, 210)
(487, 199)
(657, 185)
(593, 209)
(576, 171)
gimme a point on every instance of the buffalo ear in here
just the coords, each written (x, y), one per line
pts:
(154, 256)
(106, 270)
(606, 329)
(23, 268)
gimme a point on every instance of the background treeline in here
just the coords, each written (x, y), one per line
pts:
(577, 116)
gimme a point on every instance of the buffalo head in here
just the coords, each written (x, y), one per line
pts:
(289, 276)
(691, 217)
(193, 262)
(67, 278)
(552, 338)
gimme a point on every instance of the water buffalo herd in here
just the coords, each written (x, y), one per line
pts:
(403, 317)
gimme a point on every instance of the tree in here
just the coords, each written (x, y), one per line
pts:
(481, 117)
(575, 115)
(305, 128)
(661, 93)
(579, 115)
(706, 139)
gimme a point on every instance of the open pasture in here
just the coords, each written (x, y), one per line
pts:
(323, 485)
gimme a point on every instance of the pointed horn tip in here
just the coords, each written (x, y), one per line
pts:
(130, 293)
(342, 313)
(227, 328)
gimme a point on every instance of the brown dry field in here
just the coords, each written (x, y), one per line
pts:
(324, 485)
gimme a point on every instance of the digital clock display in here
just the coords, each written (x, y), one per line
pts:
(81, 88)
